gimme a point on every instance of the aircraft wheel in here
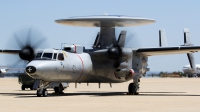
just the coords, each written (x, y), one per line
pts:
(132, 89)
(44, 93)
(61, 89)
(58, 90)
(31, 88)
(38, 93)
(23, 87)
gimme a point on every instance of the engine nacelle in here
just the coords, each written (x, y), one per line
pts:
(121, 65)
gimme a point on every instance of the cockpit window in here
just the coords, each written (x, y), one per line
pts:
(38, 55)
(60, 56)
(47, 55)
(54, 55)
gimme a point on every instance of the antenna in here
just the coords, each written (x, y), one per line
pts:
(62, 44)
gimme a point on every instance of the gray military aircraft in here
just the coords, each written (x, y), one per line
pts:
(107, 62)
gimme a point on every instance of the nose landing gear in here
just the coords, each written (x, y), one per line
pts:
(42, 90)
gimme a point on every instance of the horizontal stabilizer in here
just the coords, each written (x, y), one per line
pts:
(167, 50)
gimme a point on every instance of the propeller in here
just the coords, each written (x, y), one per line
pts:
(28, 40)
(125, 39)
(115, 51)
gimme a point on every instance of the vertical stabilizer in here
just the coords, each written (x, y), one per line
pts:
(162, 38)
(187, 41)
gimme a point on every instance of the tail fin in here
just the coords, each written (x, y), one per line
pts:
(187, 41)
(190, 56)
(162, 38)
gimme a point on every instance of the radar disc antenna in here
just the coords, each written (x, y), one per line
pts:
(105, 21)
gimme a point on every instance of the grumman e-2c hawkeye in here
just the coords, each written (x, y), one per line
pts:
(108, 62)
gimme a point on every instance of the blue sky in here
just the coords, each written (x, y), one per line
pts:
(171, 15)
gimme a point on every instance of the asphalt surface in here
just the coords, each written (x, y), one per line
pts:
(156, 95)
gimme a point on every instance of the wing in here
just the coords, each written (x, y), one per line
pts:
(167, 50)
(8, 51)
(4, 69)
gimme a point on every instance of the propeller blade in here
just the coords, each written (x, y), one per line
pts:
(17, 62)
(122, 38)
(28, 37)
(19, 43)
(39, 43)
(132, 40)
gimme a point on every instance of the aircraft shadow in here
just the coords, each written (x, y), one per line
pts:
(99, 94)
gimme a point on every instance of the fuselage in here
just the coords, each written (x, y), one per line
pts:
(59, 65)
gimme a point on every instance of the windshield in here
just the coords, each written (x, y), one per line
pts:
(47, 55)
(38, 55)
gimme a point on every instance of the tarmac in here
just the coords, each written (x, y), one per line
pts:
(156, 95)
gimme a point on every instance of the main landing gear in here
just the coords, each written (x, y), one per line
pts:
(133, 88)
(59, 89)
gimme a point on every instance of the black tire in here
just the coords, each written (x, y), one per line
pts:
(44, 93)
(59, 90)
(132, 89)
(56, 89)
(31, 88)
(23, 87)
(38, 94)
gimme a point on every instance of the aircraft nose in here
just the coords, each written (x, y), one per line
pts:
(30, 69)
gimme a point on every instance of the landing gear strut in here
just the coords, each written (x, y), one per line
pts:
(42, 90)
